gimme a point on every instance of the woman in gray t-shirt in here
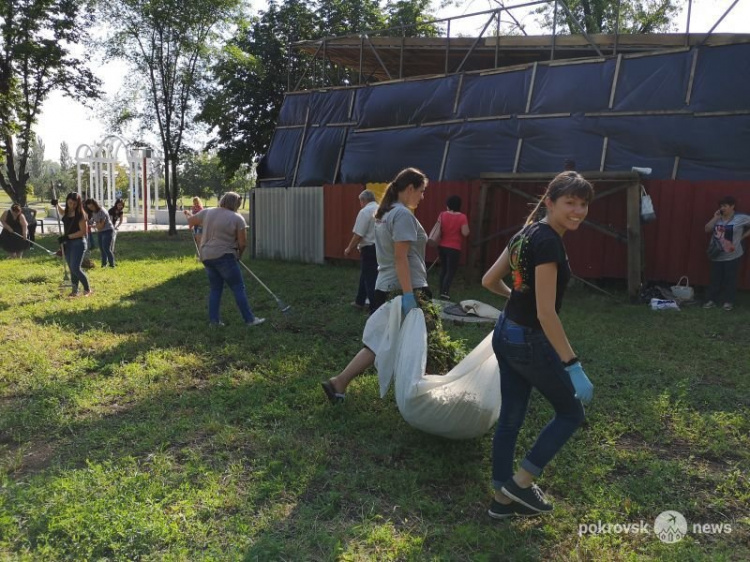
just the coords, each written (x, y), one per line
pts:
(223, 241)
(99, 219)
(400, 245)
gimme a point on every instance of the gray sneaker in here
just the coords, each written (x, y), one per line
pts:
(709, 304)
(514, 509)
(531, 497)
(256, 321)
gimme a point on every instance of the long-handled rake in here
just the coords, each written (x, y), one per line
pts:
(66, 277)
(285, 308)
(34, 243)
(197, 251)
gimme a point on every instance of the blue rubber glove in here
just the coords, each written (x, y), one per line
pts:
(408, 302)
(581, 383)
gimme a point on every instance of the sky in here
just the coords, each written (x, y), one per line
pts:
(65, 120)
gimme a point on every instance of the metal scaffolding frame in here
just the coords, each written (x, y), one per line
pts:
(379, 41)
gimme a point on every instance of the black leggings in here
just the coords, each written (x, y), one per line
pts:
(448, 266)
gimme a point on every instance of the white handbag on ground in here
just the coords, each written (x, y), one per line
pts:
(683, 292)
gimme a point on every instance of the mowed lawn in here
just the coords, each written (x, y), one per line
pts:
(130, 431)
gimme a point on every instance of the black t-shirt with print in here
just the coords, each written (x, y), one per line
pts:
(534, 245)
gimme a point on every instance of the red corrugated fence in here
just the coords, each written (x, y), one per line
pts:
(675, 243)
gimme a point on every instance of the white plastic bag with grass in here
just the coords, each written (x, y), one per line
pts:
(462, 404)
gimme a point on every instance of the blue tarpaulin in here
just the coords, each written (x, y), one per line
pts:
(459, 126)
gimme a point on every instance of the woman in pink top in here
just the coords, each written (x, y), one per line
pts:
(197, 230)
(454, 227)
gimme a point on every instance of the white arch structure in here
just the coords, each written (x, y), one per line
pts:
(144, 170)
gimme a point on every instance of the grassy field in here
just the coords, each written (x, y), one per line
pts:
(129, 431)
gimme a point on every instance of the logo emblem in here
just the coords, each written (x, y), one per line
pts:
(670, 526)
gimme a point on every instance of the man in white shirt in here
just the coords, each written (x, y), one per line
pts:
(363, 238)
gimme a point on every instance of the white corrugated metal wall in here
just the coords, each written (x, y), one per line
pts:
(289, 223)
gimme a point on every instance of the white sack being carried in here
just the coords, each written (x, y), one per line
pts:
(463, 404)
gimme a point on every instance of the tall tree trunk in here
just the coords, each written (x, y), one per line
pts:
(172, 189)
(13, 184)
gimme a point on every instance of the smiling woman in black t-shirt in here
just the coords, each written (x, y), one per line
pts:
(531, 346)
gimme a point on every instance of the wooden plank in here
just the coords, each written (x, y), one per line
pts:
(458, 93)
(519, 192)
(445, 158)
(301, 146)
(635, 264)
(606, 230)
(498, 234)
(692, 77)
(531, 87)
(541, 176)
(653, 112)
(479, 227)
(544, 115)
(615, 78)
(519, 146)
(610, 191)
(539, 42)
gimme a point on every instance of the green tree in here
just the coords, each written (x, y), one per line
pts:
(252, 70)
(600, 16)
(67, 166)
(414, 13)
(202, 175)
(66, 162)
(35, 58)
(251, 77)
(243, 179)
(122, 182)
(168, 43)
(36, 166)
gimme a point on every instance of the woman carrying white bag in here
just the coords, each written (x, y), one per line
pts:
(400, 242)
(532, 348)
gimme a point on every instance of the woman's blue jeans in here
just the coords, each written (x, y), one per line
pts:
(527, 360)
(106, 241)
(74, 250)
(226, 270)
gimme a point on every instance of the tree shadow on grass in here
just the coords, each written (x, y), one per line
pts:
(308, 477)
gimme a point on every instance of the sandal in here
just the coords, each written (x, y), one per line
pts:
(333, 396)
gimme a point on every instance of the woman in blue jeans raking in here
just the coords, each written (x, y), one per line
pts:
(73, 240)
(532, 348)
(223, 242)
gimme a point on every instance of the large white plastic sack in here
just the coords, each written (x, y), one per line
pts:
(463, 404)
(381, 336)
